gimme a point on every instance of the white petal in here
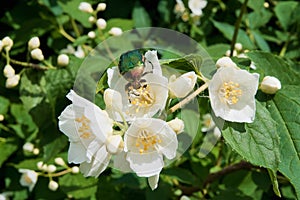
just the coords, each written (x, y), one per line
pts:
(169, 142)
(183, 85)
(77, 153)
(113, 143)
(152, 63)
(120, 162)
(98, 164)
(153, 181)
(67, 123)
(113, 99)
(145, 165)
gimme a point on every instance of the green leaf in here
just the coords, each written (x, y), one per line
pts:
(4, 104)
(71, 8)
(284, 11)
(259, 18)
(124, 24)
(7, 148)
(218, 50)
(273, 65)
(140, 17)
(261, 42)
(78, 186)
(256, 142)
(273, 177)
(182, 175)
(285, 109)
(228, 31)
(54, 147)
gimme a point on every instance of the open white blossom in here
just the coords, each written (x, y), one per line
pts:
(79, 53)
(270, 85)
(146, 141)
(196, 6)
(181, 86)
(179, 7)
(145, 101)
(28, 178)
(232, 92)
(86, 125)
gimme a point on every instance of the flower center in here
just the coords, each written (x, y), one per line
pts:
(84, 129)
(146, 141)
(27, 179)
(230, 92)
(140, 97)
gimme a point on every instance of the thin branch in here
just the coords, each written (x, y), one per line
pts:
(237, 26)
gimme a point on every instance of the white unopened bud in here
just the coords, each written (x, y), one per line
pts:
(113, 99)
(44, 167)
(181, 86)
(1, 45)
(63, 60)
(1, 117)
(37, 54)
(53, 185)
(228, 53)
(177, 125)
(225, 62)
(270, 85)
(28, 147)
(238, 46)
(101, 6)
(86, 7)
(51, 168)
(59, 161)
(7, 43)
(101, 23)
(114, 144)
(36, 151)
(91, 34)
(75, 170)
(34, 43)
(40, 165)
(12, 81)
(92, 19)
(115, 31)
(8, 71)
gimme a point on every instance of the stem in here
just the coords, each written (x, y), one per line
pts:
(25, 64)
(75, 27)
(284, 48)
(107, 47)
(65, 34)
(237, 26)
(189, 98)
(57, 174)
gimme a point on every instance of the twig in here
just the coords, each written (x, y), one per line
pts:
(237, 27)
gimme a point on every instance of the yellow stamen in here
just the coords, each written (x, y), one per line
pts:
(230, 92)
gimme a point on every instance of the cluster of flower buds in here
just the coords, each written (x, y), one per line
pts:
(35, 52)
(29, 147)
(29, 177)
(9, 72)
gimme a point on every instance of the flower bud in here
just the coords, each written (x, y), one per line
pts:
(51, 168)
(115, 31)
(12, 81)
(92, 19)
(114, 144)
(270, 85)
(79, 53)
(28, 147)
(7, 43)
(8, 71)
(1, 117)
(101, 6)
(225, 62)
(40, 165)
(113, 99)
(34, 43)
(59, 161)
(44, 167)
(91, 34)
(101, 23)
(63, 60)
(177, 125)
(227, 53)
(75, 170)
(37, 54)
(238, 46)
(181, 86)
(28, 178)
(1, 45)
(86, 7)
(53, 185)
(36, 151)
